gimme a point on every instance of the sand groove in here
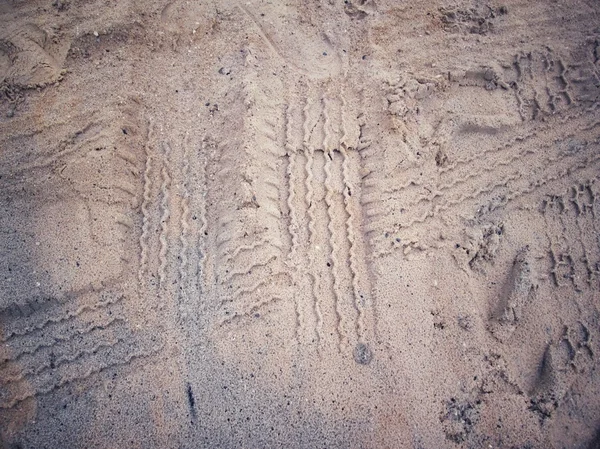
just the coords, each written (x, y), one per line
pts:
(325, 252)
(333, 137)
(30, 345)
(144, 246)
(25, 329)
(185, 221)
(402, 202)
(546, 162)
(40, 368)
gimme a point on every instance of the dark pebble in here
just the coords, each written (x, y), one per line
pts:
(362, 354)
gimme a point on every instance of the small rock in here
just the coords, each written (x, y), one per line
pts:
(363, 354)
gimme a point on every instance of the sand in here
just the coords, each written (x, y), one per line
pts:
(360, 223)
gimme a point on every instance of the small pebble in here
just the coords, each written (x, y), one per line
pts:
(363, 354)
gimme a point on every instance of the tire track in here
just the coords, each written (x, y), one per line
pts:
(328, 253)
(562, 264)
(584, 200)
(246, 248)
(252, 240)
(331, 141)
(359, 300)
(42, 368)
(560, 174)
(297, 208)
(572, 245)
(248, 269)
(144, 245)
(292, 230)
(185, 220)
(10, 335)
(471, 173)
(67, 147)
(244, 291)
(575, 245)
(555, 160)
(317, 207)
(335, 264)
(34, 347)
(252, 311)
(165, 217)
(308, 183)
(33, 357)
(107, 359)
(397, 202)
(312, 235)
(291, 182)
(571, 256)
(203, 230)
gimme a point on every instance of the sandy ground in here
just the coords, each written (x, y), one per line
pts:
(360, 223)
